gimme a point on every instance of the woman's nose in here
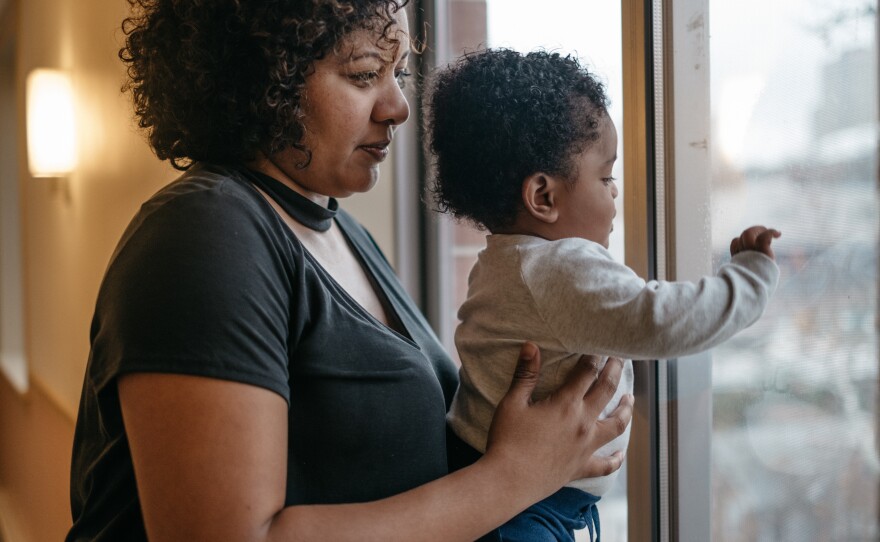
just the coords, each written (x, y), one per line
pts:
(391, 106)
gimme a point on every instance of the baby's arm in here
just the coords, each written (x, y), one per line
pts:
(591, 303)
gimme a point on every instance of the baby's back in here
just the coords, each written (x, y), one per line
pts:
(499, 315)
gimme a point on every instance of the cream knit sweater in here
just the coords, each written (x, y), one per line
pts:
(570, 297)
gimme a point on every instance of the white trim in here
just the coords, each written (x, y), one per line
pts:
(689, 380)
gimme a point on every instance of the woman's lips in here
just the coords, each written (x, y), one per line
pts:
(379, 151)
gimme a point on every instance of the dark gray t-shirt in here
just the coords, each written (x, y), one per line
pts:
(207, 280)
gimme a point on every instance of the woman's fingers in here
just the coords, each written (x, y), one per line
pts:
(552, 440)
(580, 379)
(525, 376)
(615, 424)
(602, 390)
(596, 388)
(603, 466)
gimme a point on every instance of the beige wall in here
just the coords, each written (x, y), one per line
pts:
(35, 446)
(71, 225)
(69, 229)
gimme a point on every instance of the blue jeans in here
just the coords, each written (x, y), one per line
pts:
(555, 518)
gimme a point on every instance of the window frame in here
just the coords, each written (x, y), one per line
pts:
(684, 115)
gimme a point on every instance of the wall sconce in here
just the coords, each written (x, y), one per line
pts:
(51, 128)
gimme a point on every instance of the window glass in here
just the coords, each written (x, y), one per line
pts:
(592, 32)
(794, 131)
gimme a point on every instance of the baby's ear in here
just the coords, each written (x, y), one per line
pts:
(540, 196)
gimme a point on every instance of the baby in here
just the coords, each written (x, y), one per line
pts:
(523, 146)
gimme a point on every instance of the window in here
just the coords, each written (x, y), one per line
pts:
(738, 113)
(794, 132)
(777, 428)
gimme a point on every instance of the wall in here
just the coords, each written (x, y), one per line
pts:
(69, 229)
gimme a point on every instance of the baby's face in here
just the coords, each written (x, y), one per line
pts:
(587, 209)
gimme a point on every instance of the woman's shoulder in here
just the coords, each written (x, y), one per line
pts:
(208, 201)
(206, 185)
(210, 214)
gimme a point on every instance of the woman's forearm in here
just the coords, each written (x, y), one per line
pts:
(461, 506)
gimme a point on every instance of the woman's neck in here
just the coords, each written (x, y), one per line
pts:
(269, 167)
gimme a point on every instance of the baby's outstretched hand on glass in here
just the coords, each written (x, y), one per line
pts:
(755, 238)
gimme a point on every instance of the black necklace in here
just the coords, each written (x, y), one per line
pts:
(302, 209)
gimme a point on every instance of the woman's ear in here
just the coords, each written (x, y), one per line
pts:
(540, 197)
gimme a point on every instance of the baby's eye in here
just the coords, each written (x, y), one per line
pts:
(401, 76)
(608, 180)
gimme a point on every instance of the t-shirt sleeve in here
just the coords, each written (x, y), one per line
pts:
(198, 285)
(593, 304)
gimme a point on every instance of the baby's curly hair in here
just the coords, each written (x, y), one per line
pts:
(497, 116)
(221, 80)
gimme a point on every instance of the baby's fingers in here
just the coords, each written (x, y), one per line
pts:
(749, 237)
(735, 246)
(765, 239)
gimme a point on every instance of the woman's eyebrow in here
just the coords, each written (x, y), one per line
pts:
(372, 54)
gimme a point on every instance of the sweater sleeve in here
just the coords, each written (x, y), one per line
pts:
(593, 304)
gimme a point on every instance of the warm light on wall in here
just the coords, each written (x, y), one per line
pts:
(51, 130)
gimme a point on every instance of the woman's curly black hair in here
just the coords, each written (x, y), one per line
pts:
(497, 116)
(221, 80)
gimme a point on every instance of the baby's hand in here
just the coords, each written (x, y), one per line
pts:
(755, 238)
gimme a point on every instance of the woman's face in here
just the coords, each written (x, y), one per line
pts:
(351, 104)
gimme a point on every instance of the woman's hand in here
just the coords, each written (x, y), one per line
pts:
(551, 442)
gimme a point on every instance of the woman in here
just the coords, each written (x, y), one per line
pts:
(256, 371)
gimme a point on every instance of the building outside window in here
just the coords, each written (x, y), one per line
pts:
(794, 145)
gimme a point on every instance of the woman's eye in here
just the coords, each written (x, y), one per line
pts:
(364, 78)
(401, 76)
